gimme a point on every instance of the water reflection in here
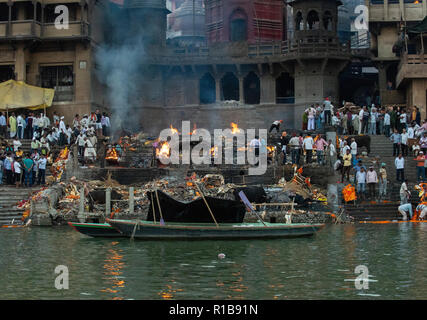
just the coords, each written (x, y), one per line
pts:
(113, 271)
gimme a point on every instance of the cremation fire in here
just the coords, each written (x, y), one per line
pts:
(163, 152)
(112, 155)
(234, 128)
(213, 151)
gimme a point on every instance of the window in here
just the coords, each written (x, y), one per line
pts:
(312, 20)
(238, 26)
(327, 21)
(7, 73)
(59, 78)
(50, 15)
(299, 25)
(4, 12)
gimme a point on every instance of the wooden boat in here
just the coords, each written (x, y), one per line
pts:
(95, 229)
(152, 231)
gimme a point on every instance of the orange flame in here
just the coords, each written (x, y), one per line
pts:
(112, 154)
(214, 151)
(164, 150)
(234, 128)
(174, 130)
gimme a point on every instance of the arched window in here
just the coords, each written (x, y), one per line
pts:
(327, 20)
(238, 26)
(230, 87)
(313, 20)
(285, 88)
(251, 86)
(299, 25)
(207, 89)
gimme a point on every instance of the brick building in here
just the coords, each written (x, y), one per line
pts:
(33, 50)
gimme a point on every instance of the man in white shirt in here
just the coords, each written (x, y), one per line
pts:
(353, 147)
(295, 146)
(3, 125)
(308, 147)
(62, 132)
(404, 192)
(344, 149)
(404, 144)
(360, 120)
(41, 163)
(311, 115)
(20, 123)
(399, 163)
(411, 132)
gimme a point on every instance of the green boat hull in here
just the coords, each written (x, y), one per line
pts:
(197, 231)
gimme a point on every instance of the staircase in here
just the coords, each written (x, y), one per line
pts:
(385, 209)
(10, 196)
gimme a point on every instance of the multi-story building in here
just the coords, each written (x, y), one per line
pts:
(33, 49)
(399, 54)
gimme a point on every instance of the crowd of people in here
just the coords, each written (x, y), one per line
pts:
(368, 120)
(17, 168)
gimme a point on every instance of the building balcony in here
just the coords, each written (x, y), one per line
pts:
(75, 30)
(378, 12)
(411, 66)
(30, 29)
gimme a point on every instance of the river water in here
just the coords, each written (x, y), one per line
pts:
(320, 267)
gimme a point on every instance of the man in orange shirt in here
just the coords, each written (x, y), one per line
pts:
(420, 166)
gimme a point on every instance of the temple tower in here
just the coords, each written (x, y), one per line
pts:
(319, 55)
(147, 17)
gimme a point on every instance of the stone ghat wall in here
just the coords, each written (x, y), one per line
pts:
(155, 119)
(319, 175)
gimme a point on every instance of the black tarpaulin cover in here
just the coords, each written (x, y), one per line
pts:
(420, 27)
(225, 211)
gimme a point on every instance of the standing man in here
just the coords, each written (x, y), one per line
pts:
(320, 149)
(284, 140)
(361, 182)
(360, 120)
(346, 166)
(404, 192)
(387, 122)
(311, 112)
(28, 171)
(295, 146)
(420, 166)
(62, 132)
(396, 138)
(332, 153)
(382, 181)
(3, 125)
(327, 110)
(308, 147)
(399, 162)
(404, 142)
(12, 125)
(98, 125)
(353, 147)
(42, 170)
(371, 180)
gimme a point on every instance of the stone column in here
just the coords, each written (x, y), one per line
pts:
(9, 21)
(241, 90)
(20, 67)
(218, 90)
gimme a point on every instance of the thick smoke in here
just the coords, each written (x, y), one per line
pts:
(119, 59)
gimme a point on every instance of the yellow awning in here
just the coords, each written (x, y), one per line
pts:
(18, 94)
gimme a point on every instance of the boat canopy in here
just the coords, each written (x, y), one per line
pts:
(225, 211)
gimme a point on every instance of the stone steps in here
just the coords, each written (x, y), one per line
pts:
(10, 196)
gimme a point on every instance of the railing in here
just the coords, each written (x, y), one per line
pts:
(32, 28)
(308, 45)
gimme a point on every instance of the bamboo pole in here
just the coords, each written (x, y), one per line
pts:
(207, 205)
(108, 202)
(160, 208)
(152, 205)
(131, 200)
